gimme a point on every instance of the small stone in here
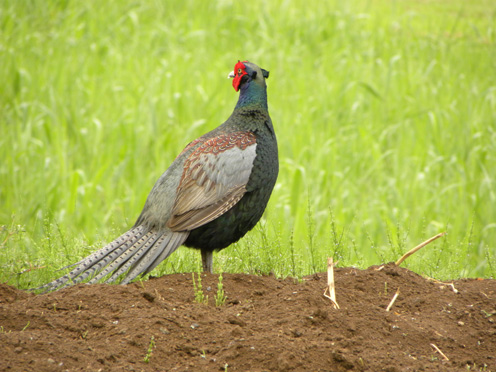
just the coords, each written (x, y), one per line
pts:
(148, 296)
(236, 320)
(296, 333)
(51, 361)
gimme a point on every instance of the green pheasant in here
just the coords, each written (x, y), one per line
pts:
(213, 193)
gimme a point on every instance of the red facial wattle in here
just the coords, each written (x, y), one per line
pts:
(239, 72)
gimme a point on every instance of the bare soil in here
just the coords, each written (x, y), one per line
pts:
(266, 324)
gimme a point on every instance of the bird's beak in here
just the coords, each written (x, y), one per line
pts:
(231, 75)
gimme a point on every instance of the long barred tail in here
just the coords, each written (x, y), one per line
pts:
(136, 252)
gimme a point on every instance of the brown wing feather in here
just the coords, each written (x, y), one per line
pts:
(195, 218)
(213, 181)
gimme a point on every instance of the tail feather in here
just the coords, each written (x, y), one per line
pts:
(122, 260)
(146, 252)
(157, 254)
(97, 265)
(179, 240)
(73, 277)
(141, 251)
(138, 251)
(135, 232)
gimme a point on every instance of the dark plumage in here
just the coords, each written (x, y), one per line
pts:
(213, 193)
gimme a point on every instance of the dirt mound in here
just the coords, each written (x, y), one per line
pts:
(266, 324)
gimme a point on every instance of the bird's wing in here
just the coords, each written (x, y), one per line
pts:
(214, 180)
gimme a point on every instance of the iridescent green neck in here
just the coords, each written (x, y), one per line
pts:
(252, 95)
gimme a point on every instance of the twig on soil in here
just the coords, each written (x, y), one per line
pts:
(412, 251)
(446, 284)
(393, 300)
(330, 283)
(440, 352)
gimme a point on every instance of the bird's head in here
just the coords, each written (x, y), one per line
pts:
(245, 71)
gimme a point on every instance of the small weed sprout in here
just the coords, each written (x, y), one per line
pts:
(310, 236)
(2, 330)
(487, 314)
(149, 352)
(25, 327)
(220, 297)
(337, 239)
(198, 289)
(292, 252)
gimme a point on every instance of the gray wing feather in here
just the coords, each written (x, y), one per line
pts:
(211, 183)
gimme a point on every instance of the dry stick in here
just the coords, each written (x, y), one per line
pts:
(440, 352)
(393, 300)
(446, 284)
(412, 251)
(330, 283)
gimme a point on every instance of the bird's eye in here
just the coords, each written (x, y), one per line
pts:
(240, 71)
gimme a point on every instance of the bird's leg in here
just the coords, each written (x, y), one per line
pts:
(207, 258)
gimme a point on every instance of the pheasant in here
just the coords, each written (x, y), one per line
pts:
(213, 193)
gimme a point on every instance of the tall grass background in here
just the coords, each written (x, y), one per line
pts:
(385, 113)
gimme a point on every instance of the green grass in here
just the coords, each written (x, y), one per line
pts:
(385, 113)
